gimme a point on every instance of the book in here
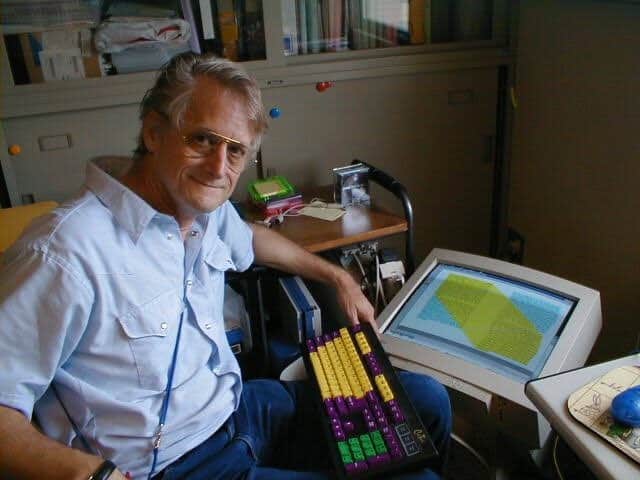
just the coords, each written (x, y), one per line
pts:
(334, 24)
(300, 315)
(289, 27)
(187, 14)
(314, 26)
(417, 13)
(205, 18)
(32, 62)
(252, 31)
(440, 21)
(228, 29)
(302, 25)
(355, 24)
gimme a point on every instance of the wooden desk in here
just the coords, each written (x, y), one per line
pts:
(359, 224)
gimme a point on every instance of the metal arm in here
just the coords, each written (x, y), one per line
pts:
(389, 183)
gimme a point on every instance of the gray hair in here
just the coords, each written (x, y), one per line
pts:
(174, 85)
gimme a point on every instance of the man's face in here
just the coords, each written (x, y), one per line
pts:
(192, 170)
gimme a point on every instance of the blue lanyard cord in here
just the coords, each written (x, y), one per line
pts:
(165, 401)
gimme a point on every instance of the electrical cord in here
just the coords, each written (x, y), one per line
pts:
(294, 211)
(555, 457)
(379, 286)
(364, 282)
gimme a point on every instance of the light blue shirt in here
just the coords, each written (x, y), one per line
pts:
(91, 297)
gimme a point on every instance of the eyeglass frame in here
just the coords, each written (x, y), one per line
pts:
(189, 141)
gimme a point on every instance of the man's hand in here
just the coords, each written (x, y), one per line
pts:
(275, 251)
(353, 302)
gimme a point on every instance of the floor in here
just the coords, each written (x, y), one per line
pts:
(464, 465)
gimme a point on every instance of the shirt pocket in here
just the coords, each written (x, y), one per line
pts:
(219, 257)
(151, 331)
(211, 300)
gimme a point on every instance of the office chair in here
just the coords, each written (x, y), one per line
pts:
(14, 220)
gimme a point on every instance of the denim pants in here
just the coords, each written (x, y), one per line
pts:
(276, 434)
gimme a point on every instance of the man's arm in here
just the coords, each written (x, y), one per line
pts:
(26, 453)
(274, 250)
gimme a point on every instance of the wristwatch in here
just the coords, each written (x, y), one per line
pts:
(103, 472)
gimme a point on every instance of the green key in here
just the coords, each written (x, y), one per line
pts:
(378, 442)
(367, 445)
(345, 453)
(356, 449)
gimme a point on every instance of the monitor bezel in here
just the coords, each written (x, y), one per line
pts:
(564, 354)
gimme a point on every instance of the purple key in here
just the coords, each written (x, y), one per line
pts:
(351, 468)
(373, 397)
(311, 346)
(396, 412)
(398, 417)
(348, 426)
(341, 406)
(361, 404)
(330, 408)
(396, 452)
(382, 421)
(356, 328)
(361, 466)
(378, 461)
(326, 337)
(338, 433)
(353, 404)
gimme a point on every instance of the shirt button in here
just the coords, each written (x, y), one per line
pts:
(169, 236)
(194, 233)
(189, 283)
(207, 326)
(164, 325)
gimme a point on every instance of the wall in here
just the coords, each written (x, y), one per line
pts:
(430, 130)
(576, 151)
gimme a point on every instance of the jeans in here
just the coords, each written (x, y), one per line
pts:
(276, 434)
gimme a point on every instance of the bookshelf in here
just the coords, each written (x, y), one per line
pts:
(425, 112)
(318, 26)
(369, 38)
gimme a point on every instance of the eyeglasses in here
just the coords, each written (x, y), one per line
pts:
(204, 142)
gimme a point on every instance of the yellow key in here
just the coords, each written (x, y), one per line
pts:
(322, 380)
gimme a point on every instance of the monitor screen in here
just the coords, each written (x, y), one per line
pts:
(504, 325)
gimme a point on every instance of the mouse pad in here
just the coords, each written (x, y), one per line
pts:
(591, 406)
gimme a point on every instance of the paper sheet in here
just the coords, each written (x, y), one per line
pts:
(591, 406)
(322, 213)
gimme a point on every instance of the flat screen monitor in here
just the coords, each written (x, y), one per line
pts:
(484, 327)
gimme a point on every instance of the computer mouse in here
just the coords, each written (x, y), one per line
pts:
(625, 407)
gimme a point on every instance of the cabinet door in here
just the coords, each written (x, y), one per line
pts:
(67, 43)
(429, 130)
(575, 176)
(315, 26)
(56, 147)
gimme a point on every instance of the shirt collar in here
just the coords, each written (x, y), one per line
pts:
(129, 210)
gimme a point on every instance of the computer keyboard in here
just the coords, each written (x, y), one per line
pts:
(370, 425)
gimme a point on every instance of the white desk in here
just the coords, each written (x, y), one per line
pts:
(550, 396)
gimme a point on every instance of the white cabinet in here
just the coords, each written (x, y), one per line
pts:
(425, 112)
